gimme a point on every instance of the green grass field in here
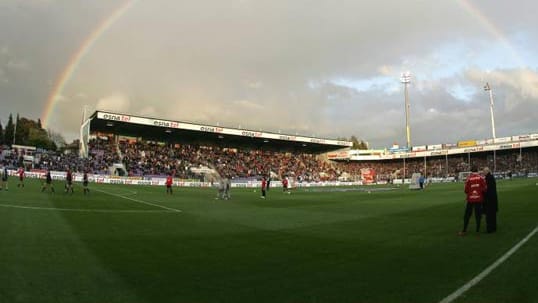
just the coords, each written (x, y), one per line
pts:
(126, 244)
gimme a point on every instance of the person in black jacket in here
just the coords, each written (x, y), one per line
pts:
(490, 202)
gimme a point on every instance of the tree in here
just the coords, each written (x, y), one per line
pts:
(39, 125)
(24, 126)
(39, 138)
(355, 141)
(1, 134)
(18, 132)
(27, 132)
(56, 138)
(8, 133)
(358, 144)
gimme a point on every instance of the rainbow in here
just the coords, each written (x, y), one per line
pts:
(76, 58)
(94, 36)
(490, 27)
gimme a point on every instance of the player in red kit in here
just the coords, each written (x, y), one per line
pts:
(264, 187)
(85, 182)
(20, 172)
(475, 188)
(169, 181)
(69, 182)
(285, 188)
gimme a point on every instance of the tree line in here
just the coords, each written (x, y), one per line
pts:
(25, 131)
(357, 144)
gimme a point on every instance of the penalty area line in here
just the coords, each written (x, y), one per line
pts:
(139, 201)
(453, 296)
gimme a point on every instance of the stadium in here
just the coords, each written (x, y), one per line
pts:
(261, 151)
(349, 229)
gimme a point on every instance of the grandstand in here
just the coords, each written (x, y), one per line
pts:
(153, 147)
(143, 150)
(241, 153)
(515, 155)
(189, 133)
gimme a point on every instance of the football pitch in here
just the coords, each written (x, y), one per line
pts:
(137, 244)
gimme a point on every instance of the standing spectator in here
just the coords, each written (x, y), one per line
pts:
(264, 187)
(475, 188)
(169, 181)
(490, 202)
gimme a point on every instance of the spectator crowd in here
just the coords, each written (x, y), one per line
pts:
(146, 158)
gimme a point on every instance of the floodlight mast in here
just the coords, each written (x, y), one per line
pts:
(488, 89)
(406, 79)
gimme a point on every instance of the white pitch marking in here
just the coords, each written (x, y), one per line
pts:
(453, 296)
(139, 201)
(86, 210)
(129, 193)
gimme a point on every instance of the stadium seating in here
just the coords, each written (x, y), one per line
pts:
(156, 159)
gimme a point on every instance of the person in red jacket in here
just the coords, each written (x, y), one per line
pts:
(475, 188)
(169, 181)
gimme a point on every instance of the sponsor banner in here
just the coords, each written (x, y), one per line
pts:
(100, 179)
(467, 143)
(452, 151)
(368, 175)
(374, 157)
(114, 117)
(287, 138)
(338, 155)
(418, 148)
(400, 181)
(435, 146)
(369, 151)
(521, 138)
(490, 147)
(528, 144)
(422, 154)
(502, 140)
(438, 153)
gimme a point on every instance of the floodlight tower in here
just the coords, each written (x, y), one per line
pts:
(406, 79)
(488, 89)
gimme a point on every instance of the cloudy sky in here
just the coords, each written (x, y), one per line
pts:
(322, 68)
